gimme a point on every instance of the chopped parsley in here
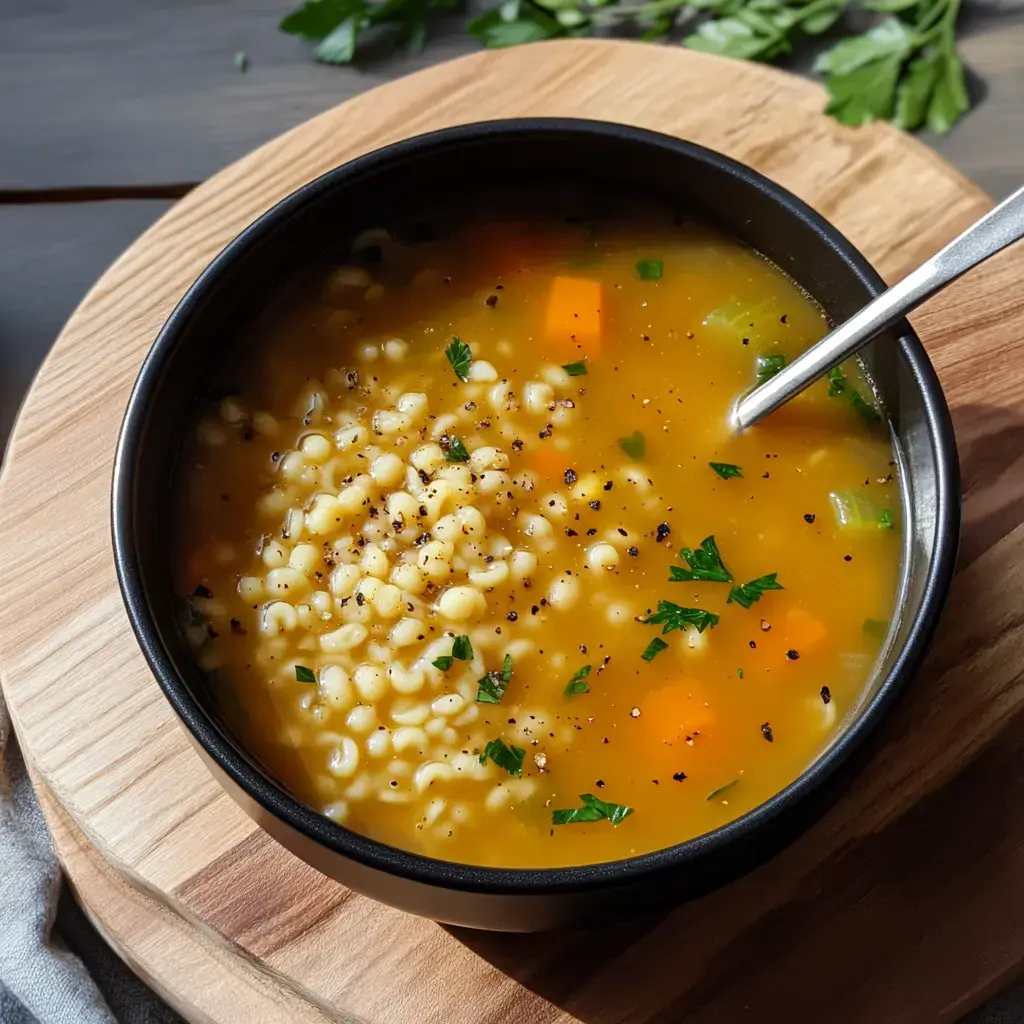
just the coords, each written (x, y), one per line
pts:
(885, 520)
(576, 369)
(491, 687)
(705, 565)
(673, 616)
(462, 650)
(304, 675)
(768, 366)
(576, 684)
(634, 445)
(649, 270)
(722, 789)
(510, 758)
(460, 357)
(726, 470)
(739, 673)
(456, 451)
(746, 594)
(653, 649)
(593, 809)
(840, 387)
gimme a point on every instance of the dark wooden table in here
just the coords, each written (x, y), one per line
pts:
(112, 109)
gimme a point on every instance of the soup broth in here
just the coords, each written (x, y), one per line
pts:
(478, 568)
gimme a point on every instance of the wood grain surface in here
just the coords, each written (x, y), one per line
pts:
(196, 975)
(902, 904)
(130, 94)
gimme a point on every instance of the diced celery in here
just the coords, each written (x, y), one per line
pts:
(855, 511)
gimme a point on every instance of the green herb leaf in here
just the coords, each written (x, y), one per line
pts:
(748, 593)
(456, 451)
(913, 97)
(461, 358)
(768, 366)
(576, 684)
(510, 758)
(316, 19)
(241, 61)
(836, 382)
(634, 445)
(304, 675)
(722, 789)
(444, 662)
(593, 809)
(726, 470)
(705, 564)
(462, 648)
(576, 369)
(890, 38)
(885, 519)
(739, 673)
(866, 94)
(649, 270)
(653, 649)
(949, 100)
(673, 616)
(491, 687)
(340, 46)
(512, 23)
(735, 37)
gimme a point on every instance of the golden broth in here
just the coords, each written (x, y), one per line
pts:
(329, 571)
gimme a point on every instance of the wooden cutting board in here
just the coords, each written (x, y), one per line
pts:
(903, 904)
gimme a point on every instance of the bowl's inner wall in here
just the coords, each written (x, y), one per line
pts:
(308, 227)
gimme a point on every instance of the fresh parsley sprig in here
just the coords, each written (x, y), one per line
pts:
(704, 565)
(673, 616)
(593, 809)
(747, 593)
(510, 758)
(491, 687)
(905, 69)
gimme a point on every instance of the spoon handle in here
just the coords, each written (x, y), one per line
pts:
(987, 236)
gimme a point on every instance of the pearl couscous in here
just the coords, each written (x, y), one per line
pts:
(476, 567)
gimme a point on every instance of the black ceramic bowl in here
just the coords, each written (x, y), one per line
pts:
(436, 167)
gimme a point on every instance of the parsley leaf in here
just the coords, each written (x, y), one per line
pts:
(840, 387)
(491, 687)
(460, 357)
(768, 366)
(885, 519)
(705, 564)
(510, 758)
(634, 445)
(726, 470)
(649, 270)
(593, 809)
(746, 594)
(304, 675)
(576, 684)
(462, 648)
(672, 616)
(653, 649)
(455, 451)
(906, 67)
(576, 369)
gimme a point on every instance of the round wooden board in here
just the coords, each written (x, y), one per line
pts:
(901, 904)
(198, 976)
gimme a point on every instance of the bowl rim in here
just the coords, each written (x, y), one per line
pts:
(469, 878)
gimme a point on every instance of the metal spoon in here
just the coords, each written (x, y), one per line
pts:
(984, 238)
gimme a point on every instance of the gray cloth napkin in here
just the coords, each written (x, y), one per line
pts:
(41, 980)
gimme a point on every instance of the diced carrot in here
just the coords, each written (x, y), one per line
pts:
(673, 712)
(574, 320)
(549, 463)
(803, 630)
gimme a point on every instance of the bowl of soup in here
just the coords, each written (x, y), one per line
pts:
(431, 524)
